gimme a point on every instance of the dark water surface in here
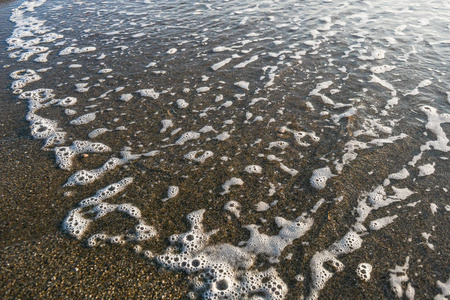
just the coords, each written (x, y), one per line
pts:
(270, 150)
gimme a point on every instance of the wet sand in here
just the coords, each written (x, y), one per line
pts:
(42, 263)
(38, 262)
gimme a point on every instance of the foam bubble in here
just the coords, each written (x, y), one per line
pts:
(234, 207)
(172, 192)
(84, 119)
(65, 155)
(292, 172)
(233, 181)
(126, 97)
(262, 206)
(319, 178)
(151, 93)
(105, 71)
(224, 268)
(382, 69)
(253, 169)
(382, 222)
(402, 174)
(68, 101)
(75, 50)
(130, 210)
(278, 144)
(172, 51)
(398, 276)
(84, 177)
(182, 103)
(187, 136)
(242, 84)
(107, 192)
(445, 290)
(23, 77)
(223, 136)
(96, 132)
(426, 169)
(75, 224)
(203, 89)
(220, 64)
(363, 271)
(166, 124)
(245, 63)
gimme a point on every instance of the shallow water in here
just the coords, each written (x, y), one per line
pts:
(313, 119)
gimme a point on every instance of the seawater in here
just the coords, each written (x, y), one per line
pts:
(303, 143)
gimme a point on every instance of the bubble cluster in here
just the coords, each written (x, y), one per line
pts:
(363, 271)
(107, 192)
(65, 155)
(224, 269)
(23, 77)
(76, 50)
(319, 178)
(68, 101)
(187, 136)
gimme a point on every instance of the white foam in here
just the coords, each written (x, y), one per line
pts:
(351, 112)
(252, 169)
(65, 155)
(234, 207)
(203, 89)
(245, 63)
(382, 222)
(262, 206)
(220, 64)
(96, 132)
(105, 71)
(149, 93)
(166, 124)
(187, 136)
(172, 51)
(397, 277)
(223, 136)
(242, 84)
(320, 274)
(402, 174)
(363, 271)
(181, 103)
(68, 101)
(23, 77)
(126, 97)
(319, 178)
(291, 171)
(426, 169)
(84, 119)
(107, 192)
(233, 181)
(172, 192)
(278, 144)
(75, 50)
(84, 177)
(445, 290)
(433, 208)
(382, 69)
